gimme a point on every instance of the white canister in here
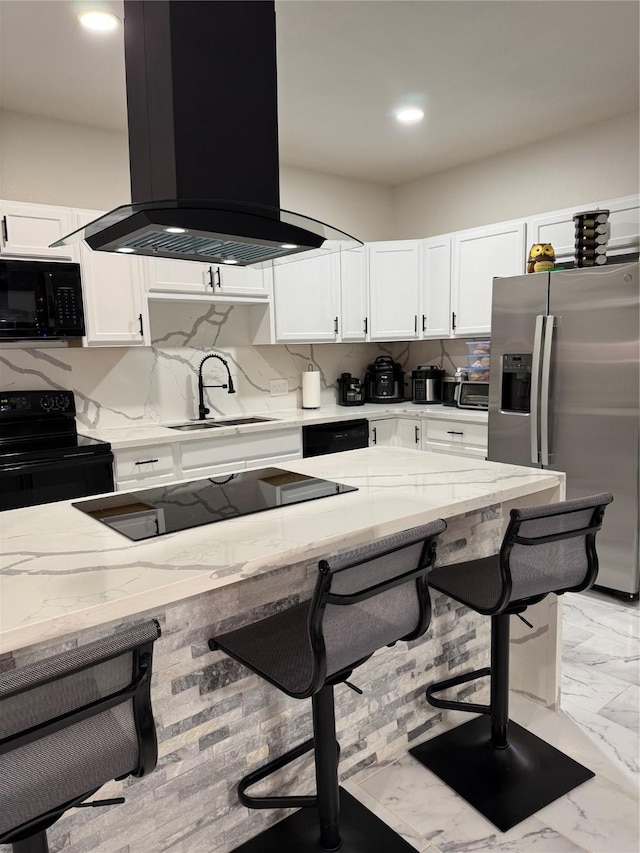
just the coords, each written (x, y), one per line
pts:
(311, 388)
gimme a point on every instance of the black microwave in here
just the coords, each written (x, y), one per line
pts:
(40, 300)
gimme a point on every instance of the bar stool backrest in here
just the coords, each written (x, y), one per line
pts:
(74, 721)
(371, 596)
(551, 548)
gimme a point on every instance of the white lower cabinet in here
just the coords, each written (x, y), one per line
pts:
(459, 438)
(146, 465)
(396, 432)
(225, 453)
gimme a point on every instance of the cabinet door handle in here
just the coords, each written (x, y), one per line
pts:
(335, 326)
(453, 321)
(417, 429)
(453, 432)
(218, 283)
(366, 325)
(375, 437)
(415, 324)
(5, 229)
(145, 461)
(424, 323)
(141, 326)
(211, 277)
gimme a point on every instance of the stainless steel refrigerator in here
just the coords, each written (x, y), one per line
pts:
(564, 394)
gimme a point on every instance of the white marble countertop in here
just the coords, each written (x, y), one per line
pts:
(143, 434)
(62, 571)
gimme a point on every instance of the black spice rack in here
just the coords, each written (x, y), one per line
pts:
(592, 236)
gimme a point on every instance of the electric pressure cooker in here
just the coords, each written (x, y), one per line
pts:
(384, 381)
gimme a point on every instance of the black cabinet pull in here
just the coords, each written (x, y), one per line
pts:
(417, 429)
(218, 283)
(141, 326)
(335, 325)
(366, 325)
(5, 229)
(453, 432)
(415, 324)
(375, 437)
(146, 461)
(453, 321)
(424, 323)
(211, 277)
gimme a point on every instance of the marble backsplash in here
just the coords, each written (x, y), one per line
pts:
(116, 386)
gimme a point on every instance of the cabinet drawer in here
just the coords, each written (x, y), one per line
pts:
(222, 450)
(143, 462)
(456, 449)
(457, 432)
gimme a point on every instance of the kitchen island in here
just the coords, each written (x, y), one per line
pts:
(66, 579)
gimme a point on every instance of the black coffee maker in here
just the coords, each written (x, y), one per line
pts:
(350, 390)
(384, 381)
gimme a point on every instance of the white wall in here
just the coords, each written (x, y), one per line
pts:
(56, 162)
(595, 163)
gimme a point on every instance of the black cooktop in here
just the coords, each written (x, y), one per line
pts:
(166, 509)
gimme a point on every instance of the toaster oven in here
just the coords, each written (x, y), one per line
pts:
(472, 395)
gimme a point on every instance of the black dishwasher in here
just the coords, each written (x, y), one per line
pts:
(318, 439)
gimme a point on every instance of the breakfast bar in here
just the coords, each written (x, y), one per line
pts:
(67, 579)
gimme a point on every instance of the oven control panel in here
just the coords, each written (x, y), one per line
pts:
(36, 403)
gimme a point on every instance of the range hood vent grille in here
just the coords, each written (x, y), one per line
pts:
(161, 243)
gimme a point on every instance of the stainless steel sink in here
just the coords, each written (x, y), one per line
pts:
(221, 423)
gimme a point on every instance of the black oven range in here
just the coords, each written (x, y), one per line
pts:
(42, 457)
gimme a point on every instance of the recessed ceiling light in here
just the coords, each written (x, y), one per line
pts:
(410, 115)
(288, 246)
(126, 250)
(175, 230)
(229, 261)
(94, 19)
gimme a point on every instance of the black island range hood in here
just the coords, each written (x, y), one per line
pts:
(203, 140)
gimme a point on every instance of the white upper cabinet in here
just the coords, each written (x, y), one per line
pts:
(624, 219)
(479, 255)
(354, 295)
(435, 321)
(395, 273)
(306, 299)
(556, 228)
(238, 281)
(197, 279)
(166, 276)
(29, 229)
(114, 306)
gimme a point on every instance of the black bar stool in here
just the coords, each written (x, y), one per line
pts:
(369, 597)
(68, 725)
(500, 768)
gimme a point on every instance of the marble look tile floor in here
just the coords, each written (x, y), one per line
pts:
(598, 726)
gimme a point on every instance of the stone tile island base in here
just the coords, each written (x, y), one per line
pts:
(216, 721)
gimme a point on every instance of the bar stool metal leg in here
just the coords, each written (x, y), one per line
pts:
(35, 844)
(324, 726)
(499, 702)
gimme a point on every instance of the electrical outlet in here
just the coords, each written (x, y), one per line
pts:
(278, 387)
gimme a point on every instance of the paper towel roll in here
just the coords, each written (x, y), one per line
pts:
(311, 389)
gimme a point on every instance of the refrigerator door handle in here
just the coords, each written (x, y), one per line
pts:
(544, 389)
(535, 386)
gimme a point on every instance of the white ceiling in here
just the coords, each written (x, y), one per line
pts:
(491, 74)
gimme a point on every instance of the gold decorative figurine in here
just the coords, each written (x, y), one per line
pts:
(542, 258)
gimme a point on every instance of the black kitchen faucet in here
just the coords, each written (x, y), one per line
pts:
(202, 409)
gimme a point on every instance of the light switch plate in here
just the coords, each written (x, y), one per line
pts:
(278, 387)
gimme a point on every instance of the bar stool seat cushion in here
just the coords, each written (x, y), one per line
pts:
(476, 583)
